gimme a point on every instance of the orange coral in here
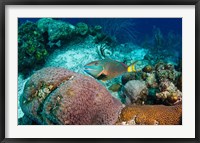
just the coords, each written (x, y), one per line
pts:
(151, 115)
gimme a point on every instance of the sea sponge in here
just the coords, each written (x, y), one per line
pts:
(59, 96)
(151, 115)
(135, 92)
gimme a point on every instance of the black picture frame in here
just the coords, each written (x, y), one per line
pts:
(3, 4)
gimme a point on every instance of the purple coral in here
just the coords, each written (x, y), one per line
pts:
(59, 96)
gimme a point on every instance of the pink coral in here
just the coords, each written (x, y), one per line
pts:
(59, 96)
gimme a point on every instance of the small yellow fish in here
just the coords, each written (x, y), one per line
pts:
(107, 69)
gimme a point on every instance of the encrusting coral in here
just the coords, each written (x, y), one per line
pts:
(151, 115)
(59, 96)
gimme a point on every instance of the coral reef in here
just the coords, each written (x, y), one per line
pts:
(147, 68)
(38, 40)
(151, 80)
(82, 29)
(59, 96)
(166, 71)
(151, 115)
(135, 92)
(43, 24)
(169, 94)
(161, 80)
(31, 45)
(57, 30)
(95, 30)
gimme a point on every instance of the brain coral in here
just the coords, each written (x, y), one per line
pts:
(59, 96)
(151, 115)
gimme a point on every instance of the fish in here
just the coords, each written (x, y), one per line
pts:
(107, 69)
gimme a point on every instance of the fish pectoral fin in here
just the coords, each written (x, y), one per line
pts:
(102, 77)
(102, 73)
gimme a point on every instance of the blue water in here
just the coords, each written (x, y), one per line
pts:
(139, 28)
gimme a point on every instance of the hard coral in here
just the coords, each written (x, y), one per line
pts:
(166, 71)
(151, 115)
(57, 30)
(169, 94)
(147, 68)
(31, 45)
(151, 80)
(59, 96)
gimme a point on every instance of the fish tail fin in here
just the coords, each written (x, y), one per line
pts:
(131, 68)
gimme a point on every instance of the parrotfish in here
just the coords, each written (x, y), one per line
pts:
(107, 69)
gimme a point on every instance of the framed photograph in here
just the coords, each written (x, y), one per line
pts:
(103, 71)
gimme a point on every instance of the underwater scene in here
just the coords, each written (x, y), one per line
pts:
(99, 71)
